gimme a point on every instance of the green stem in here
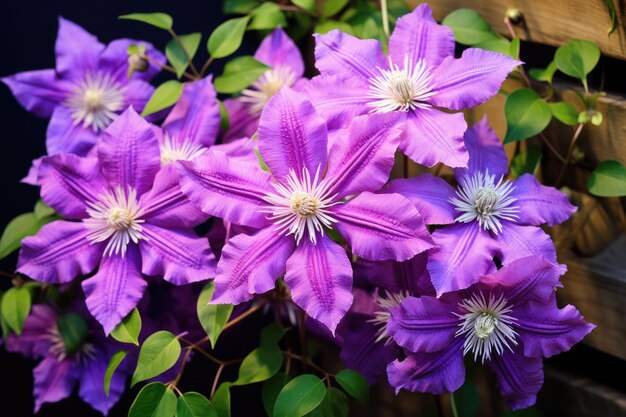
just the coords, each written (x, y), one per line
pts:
(568, 156)
(385, 17)
(455, 413)
(187, 57)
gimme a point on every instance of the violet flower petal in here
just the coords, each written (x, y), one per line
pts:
(116, 288)
(436, 373)
(485, 152)
(63, 135)
(381, 227)
(337, 53)
(540, 204)
(470, 80)
(242, 123)
(54, 380)
(423, 324)
(292, 136)
(129, 152)
(114, 60)
(69, 182)
(38, 91)
(77, 51)
(59, 253)
(250, 264)
(179, 256)
(278, 50)
(136, 95)
(196, 115)
(34, 341)
(91, 388)
(418, 36)
(226, 188)
(429, 194)
(465, 251)
(320, 279)
(363, 158)
(431, 136)
(518, 241)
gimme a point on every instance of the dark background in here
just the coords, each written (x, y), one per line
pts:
(28, 32)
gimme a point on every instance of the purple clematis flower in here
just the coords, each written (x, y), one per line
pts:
(509, 320)
(419, 75)
(305, 194)
(133, 220)
(491, 216)
(86, 91)
(70, 358)
(279, 52)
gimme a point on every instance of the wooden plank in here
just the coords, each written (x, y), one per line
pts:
(597, 287)
(568, 395)
(550, 22)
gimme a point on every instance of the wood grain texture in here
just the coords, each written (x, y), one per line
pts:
(550, 22)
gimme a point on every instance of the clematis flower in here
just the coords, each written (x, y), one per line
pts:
(509, 321)
(419, 76)
(279, 52)
(86, 91)
(379, 286)
(130, 218)
(72, 354)
(489, 216)
(305, 195)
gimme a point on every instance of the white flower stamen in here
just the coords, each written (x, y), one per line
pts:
(487, 326)
(265, 87)
(176, 150)
(402, 89)
(95, 101)
(385, 301)
(301, 205)
(116, 218)
(480, 197)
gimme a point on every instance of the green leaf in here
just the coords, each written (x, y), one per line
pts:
(469, 27)
(27, 224)
(175, 54)
(611, 9)
(564, 113)
(227, 37)
(42, 210)
(129, 328)
(239, 73)
(335, 404)
(332, 7)
(270, 390)
(160, 20)
(526, 162)
(158, 353)
(73, 330)
(213, 317)
(596, 118)
(154, 400)
(115, 361)
(545, 74)
(193, 404)
(300, 396)
(3, 322)
(515, 47)
(354, 384)
(271, 334)
(328, 25)
(267, 16)
(468, 399)
(500, 45)
(308, 5)
(607, 180)
(240, 6)
(221, 399)
(15, 307)
(260, 364)
(577, 58)
(526, 115)
(224, 118)
(165, 95)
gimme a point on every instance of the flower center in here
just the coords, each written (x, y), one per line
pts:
(479, 197)
(403, 89)
(486, 326)
(95, 100)
(175, 150)
(385, 302)
(116, 218)
(301, 205)
(265, 87)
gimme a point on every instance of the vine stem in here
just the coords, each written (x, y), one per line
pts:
(385, 17)
(236, 320)
(169, 68)
(313, 365)
(205, 67)
(551, 147)
(216, 379)
(568, 156)
(455, 413)
(520, 68)
(187, 57)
